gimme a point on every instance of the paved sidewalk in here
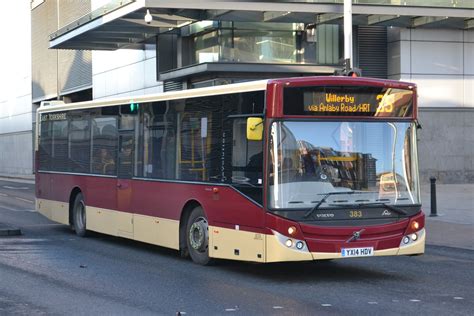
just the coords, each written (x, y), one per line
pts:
(454, 225)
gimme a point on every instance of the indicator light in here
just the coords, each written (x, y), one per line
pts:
(415, 225)
(292, 230)
(215, 190)
(299, 245)
(289, 243)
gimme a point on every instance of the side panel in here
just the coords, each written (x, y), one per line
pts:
(156, 209)
(166, 200)
(235, 244)
(98, 191)
(54, 210)
(156, 230)
(102, 220)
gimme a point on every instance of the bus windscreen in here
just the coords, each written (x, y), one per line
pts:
(360, 101)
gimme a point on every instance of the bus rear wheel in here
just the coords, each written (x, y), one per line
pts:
(197, 237)
(79, 216)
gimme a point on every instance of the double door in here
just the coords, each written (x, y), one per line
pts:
(124, 183)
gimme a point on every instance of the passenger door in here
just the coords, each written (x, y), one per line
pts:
(124, 184)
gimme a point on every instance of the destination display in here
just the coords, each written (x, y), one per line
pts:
(348, 101)
(61, 116)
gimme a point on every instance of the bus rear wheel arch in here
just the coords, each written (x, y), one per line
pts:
(197, 236)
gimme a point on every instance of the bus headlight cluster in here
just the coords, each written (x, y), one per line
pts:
(291, 243)
(411, 238)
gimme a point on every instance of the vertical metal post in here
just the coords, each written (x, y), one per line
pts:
(348, 34)
(434, 211)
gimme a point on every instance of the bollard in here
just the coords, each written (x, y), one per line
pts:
(434, 211)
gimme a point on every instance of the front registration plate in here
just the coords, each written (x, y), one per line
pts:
(357, 252)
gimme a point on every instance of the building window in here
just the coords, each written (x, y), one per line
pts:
(277, 43)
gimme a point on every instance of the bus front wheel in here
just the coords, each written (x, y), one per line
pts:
(197, 237)
(79, 215)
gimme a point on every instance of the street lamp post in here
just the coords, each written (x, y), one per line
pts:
(347, 35)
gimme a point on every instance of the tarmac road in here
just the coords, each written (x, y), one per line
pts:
(48, 270)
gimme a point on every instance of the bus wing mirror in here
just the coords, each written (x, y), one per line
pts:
(418, 124)
(254, 128)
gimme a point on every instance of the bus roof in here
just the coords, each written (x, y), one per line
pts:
(172, 95)
(225, 89)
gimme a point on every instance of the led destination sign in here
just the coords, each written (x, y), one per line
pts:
(348, 101)
(338, 103)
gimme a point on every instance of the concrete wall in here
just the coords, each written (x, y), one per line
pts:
(17, 158)
(124, 73)
(441, 63)
(16, 112)
(446, 144)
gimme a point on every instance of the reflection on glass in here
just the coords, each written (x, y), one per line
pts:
(278, 43)
(311, 159)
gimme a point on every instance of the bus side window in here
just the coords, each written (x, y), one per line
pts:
(158, 141)
(79, 144)
(104, 145)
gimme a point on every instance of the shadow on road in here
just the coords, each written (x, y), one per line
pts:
(346, 270)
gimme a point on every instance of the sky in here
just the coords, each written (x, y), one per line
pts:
(15, 53)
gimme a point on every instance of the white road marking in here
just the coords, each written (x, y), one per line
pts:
(458, 298)
(277, 307)
(326, 305)
(3, 194)
(372, 303)
(24, 200)
(414, 300)
(15, 188)
(231, 309)
(14, 210)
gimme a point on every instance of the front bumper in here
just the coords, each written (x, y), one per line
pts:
(277, 251)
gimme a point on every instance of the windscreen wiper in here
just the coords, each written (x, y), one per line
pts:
(326, 195)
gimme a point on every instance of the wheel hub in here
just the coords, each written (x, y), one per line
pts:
(198, 235)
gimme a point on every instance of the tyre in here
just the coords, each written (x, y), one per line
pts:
(197, 237)
(79, 216)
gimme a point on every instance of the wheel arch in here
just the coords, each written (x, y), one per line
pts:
(186, 211)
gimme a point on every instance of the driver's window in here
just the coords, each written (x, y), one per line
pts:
(247, 156)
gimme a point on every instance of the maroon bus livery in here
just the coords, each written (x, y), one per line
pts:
(294, 169)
